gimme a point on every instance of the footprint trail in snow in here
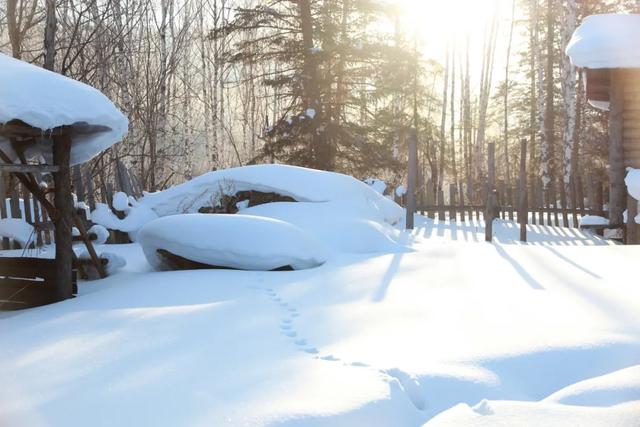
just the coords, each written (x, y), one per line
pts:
(404, 381)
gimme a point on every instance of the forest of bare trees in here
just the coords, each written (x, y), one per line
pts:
(330, 84)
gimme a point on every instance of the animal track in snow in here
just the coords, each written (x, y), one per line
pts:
(407, 383)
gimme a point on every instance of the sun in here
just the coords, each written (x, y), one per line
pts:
(439, 22)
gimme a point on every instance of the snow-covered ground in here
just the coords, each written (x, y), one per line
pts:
(446, 330)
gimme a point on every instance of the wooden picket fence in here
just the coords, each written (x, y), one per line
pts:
(457, 205)
(528, 202)
(19, 203)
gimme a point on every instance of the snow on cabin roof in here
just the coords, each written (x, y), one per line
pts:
(606, 41)
(47, 100)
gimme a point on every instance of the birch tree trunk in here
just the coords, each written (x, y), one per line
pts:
(443, 120)
(540, 104)
(569, 92)
(506, 95)
(485, 92)
(549, 169)
(50, 35)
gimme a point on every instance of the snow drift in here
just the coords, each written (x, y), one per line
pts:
(47, 100)
(236, 241)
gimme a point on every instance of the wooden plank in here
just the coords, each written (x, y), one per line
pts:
(11, 167)
(27, 268)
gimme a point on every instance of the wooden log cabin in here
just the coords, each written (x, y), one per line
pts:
(606, 48)
(49, 123)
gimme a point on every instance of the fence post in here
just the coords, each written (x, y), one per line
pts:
(461, 201)
(491, 194)
(523, 214)
(452, 203)
(632, 236)
(563, 202)
(411, 179)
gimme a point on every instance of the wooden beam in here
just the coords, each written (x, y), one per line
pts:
(13, 167)
(19, 129)
(64, 218)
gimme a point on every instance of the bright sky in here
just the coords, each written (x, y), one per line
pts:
(440, 21)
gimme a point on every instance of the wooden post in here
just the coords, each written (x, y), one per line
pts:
(77, 183)
(461, 202)
(510, 201)
(522, 192)
(591, 199)
(428, 195)
(64, 216)
(574, 198)
(540, 202)
(489, 213)
(563, 202)
(453, 217)
(440, 205)
(3, 210)
(37, 221)
(632, 236)
(617, 188)
(599, 200)
(411, 179)
(90, 191)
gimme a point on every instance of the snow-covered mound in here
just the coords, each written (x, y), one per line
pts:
(343, 213)
(46, 100)
(235, 241)
(17, 229)
(302, 184)
(607, 390)
(606, 41)
(340, 227)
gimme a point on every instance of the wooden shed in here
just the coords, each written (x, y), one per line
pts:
(607, 50)
(49, 123)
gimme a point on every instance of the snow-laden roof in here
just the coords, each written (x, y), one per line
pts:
(47, 100)
(606, 41)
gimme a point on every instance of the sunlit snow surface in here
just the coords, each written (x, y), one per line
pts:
(447, 330)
